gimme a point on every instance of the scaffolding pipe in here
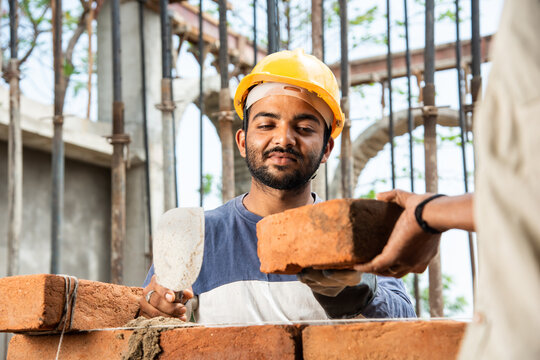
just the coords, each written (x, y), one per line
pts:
(225, 109)
(254, 32)
(320, 183)
(346, 145)
(148, 251)
(201, 103)
(476, 83)
(390, 108)
(273, 28)
(463, 134)
(430, 148)
(167, 107)
(410, 127)
(15, 168)
(57, 193)
(118, 140)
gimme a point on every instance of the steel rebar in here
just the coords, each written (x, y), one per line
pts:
(225, 109)
(148, 198)
(255, 32)
(410, 127)
(201, 103)
(463, 132)
(273, 29)
(476, 83)
(390, 107)
(57, 153)
(430, 147)
(346, 146)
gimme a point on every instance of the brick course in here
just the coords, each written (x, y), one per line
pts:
(384, 340)
(331, 235)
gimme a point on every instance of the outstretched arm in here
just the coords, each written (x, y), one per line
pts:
(410, 248)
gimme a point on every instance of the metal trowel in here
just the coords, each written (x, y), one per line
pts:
(178, 248)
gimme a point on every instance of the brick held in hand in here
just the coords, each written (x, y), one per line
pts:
(335, 234)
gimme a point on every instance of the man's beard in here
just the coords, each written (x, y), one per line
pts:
(289, 181)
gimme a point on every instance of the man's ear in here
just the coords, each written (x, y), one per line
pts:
(328, 150)
(241, 142)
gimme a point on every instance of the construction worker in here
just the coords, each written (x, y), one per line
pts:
(506, 204)
(290, 109)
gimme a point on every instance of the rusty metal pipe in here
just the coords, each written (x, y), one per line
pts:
(346, 145)
(118, 140)
(57, 154)
(476, 83)
(225, 110)
(430, 148)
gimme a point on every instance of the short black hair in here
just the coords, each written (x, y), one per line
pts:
(326, 136)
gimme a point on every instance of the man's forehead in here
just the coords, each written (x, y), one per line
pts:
(285, 106)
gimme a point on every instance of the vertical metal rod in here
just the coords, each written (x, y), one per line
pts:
(225, 109)
(346, 146)
(476, 84)
(410, 127)
(167, 108)
(118, 140)
(273, 34)
(430, 148)
(319, 184)
(255, 32)
(148, 251)
(201, 103)
(326, 192)
(15, 168)
(463, 132)
(57, 193)
(390, 108)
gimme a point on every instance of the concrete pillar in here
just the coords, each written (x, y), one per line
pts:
(137, 238)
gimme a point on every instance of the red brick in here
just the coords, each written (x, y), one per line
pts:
(384, 340)
(252, 342)
(334, 234)
(35, 303)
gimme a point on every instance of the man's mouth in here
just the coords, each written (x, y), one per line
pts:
(280, 158)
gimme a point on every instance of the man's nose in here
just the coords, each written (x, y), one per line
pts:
(285, 136)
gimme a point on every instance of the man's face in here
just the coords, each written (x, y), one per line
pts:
(283, 145)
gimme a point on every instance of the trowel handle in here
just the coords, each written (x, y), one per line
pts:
(178, 296)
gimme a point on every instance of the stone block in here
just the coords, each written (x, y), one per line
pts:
(36, 302)
(335, 234)
(384, 340)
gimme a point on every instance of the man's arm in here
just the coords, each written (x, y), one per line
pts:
(410, 248)
(365, 295)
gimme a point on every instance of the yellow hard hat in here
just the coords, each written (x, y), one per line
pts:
(294, 68)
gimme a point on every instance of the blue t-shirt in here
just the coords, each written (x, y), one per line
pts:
(232, 289)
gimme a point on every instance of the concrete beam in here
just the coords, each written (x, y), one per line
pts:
(373, 69)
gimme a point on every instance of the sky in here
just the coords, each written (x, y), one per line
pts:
(365, 109)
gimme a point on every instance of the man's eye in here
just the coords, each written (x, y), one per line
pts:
(306, 129)
(265, 126)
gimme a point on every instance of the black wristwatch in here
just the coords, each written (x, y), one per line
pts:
(418, 214)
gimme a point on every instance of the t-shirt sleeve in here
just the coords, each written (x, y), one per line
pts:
(390, 301)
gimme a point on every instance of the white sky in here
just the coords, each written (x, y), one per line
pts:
(455, 258)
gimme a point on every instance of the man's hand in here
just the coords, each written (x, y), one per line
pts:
(329, 282)
(161, 302)
(409, 248)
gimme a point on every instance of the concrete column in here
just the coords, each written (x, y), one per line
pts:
(137, 238)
